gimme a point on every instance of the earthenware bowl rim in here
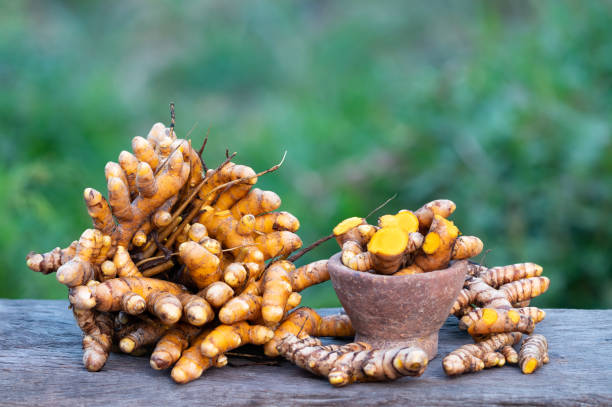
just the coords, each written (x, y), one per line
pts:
(366, 275)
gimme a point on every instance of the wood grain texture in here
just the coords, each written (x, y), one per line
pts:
(40, 364)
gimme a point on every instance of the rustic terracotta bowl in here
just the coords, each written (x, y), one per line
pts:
(397, 311)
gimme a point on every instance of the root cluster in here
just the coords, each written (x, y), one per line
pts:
(181, 262)
(406, 242)
(186, 263)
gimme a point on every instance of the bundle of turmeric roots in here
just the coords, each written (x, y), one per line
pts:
(189, 263)
(176, 260)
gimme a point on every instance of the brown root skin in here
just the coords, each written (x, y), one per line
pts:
(309, 354)
(510, 354)
(171, 345)
(475, 357)
(97, 340)
(476, 291)
(235, 274)
(165, 306)
(162, 216)
(514, 294)
(224, 338)
(525, 289)
(466, 247)
(348, 230)
(131, 215)
(498, 276)
(99, 210)
(485, 321)
(124, 264)
(217, 294)
(438, 244)
(141, 334)
(82, 267)
(309, 275)
(415, 241)
(355, 258)
(108, 296)
(354, 362)
(426, 213)
(536, 314)
(533, 353)
(303, 322)
(256, 202)
(192, 363)
(49, 262)
(338, 325)
(275, 221)
(244, 307)
(196, 310)
(280, 243)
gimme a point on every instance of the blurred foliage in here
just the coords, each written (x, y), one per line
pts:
(503, 107)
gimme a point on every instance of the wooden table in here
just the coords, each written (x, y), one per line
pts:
(40, 364)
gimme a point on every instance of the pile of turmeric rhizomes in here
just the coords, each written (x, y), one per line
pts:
(183, 261)
(493, 306)
(188, 263)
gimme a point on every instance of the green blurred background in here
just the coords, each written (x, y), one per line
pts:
(503, 107)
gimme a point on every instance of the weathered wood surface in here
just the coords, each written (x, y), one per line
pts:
(40, 364)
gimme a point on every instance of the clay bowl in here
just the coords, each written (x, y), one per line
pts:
(397, 311)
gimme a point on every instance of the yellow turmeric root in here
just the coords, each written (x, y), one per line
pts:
(476, 291)
(475, 357)
(246, 306)
(171, 345)
(411, 269)
(167, 307)
(309, 275)
(510, 354)
(354, 362)
(97, 328)
(278, 243)
(276, 287)
(466, 247)
(275, 221)
(224, 338)
(304, 322)
(141, 334)
(404, 219)
(387, 247)
(235, 274)
(485, 321)
(347, 230)
(256, 202)
(498, 276)
(427, 213)
(525, 289)
(533, 353)
(438, 245)
(124, 265)
(83, 266)
(196, 310)
(49, 262)
(192, 363)
(202, 265)
(217, 293)
(354, 257)
(109, 295)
